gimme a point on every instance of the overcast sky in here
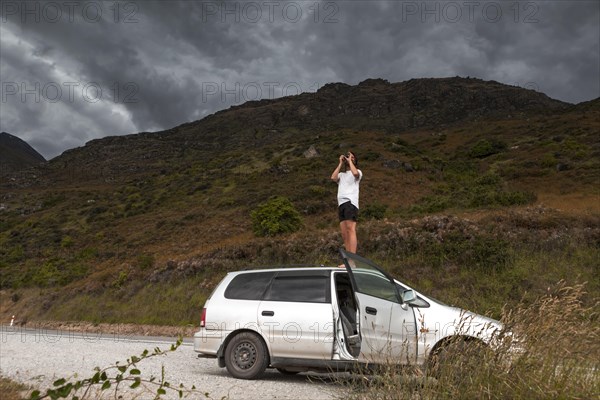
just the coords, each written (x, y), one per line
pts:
(73, 71)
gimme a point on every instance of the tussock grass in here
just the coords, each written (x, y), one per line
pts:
(548, 349)
(11, 390)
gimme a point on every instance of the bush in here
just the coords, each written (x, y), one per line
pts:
(370, 156)
(55, 272)
(485, 148)
(145, 261)
(66, 242)
(277, 215)
(469, 189)
(316, 190)
(374, 211)
(431, 204)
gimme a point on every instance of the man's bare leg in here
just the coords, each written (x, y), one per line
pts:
(348, 229)
(351, 236)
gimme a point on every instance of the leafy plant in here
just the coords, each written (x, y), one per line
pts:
(276, 216)
(115, 377)
(485, 148)
(373, 211)
(66, 242)
(121, 279)
(145, 261)
(466, 188)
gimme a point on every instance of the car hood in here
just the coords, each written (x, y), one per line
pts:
(447, 320)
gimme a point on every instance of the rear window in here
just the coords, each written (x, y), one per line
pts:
(250, 286)
(300, 287)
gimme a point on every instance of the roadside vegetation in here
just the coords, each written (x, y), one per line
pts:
(481, 265)
(12, 390)
(549, 349)
(119, 380)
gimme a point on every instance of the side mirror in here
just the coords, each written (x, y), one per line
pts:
(408, 296)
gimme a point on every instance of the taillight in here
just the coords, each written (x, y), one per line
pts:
(203, 318)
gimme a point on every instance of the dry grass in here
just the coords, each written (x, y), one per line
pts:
(551, 352)
(572, 203)
(11, 390)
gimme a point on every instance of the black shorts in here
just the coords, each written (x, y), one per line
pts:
(348, 212)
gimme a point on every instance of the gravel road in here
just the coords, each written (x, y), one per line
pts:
(38, 357)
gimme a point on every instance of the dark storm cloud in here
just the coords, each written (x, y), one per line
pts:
(132, 66)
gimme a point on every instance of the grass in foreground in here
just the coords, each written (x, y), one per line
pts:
(558, 358)
(11, 390)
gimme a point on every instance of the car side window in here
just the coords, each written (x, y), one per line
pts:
(250, 286)
(375, 285)
(300, 288)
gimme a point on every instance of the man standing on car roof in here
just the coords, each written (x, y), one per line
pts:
(348, 186)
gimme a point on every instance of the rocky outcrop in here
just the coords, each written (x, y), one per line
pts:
(374, 104)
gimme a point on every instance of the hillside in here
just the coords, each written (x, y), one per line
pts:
(374, 105)
(122, 219)
(16, 154)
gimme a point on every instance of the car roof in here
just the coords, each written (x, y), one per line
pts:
(287, 268)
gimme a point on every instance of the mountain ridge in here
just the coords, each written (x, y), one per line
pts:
(16, 154)
(371, 105)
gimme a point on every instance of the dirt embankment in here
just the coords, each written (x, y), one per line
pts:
(112, 329)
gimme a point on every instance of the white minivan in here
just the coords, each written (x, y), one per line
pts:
(327, 319)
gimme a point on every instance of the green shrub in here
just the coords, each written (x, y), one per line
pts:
(145, 261)
(121, 280)
(66, 242)
(277, 215)
(373, 211)
(485, 148)
(87, 253)
(515, 198)
(548, 161)
(466, 188)
(317, 190)
(370, 156)
(55, 272)
(15, 254)
(431, 204)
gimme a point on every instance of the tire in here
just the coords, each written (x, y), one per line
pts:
(458, 359)
(246, 356)
(287, 372)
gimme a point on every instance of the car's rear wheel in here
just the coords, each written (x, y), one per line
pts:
(246, 356)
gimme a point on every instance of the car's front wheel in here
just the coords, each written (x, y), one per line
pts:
(459, 358)
(246, 356)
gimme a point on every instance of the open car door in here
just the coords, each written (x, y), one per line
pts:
(387, 326)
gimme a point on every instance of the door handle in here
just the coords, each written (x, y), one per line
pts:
(268, 313)
(371, 310)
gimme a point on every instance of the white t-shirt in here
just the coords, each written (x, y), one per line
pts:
(348, 187)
